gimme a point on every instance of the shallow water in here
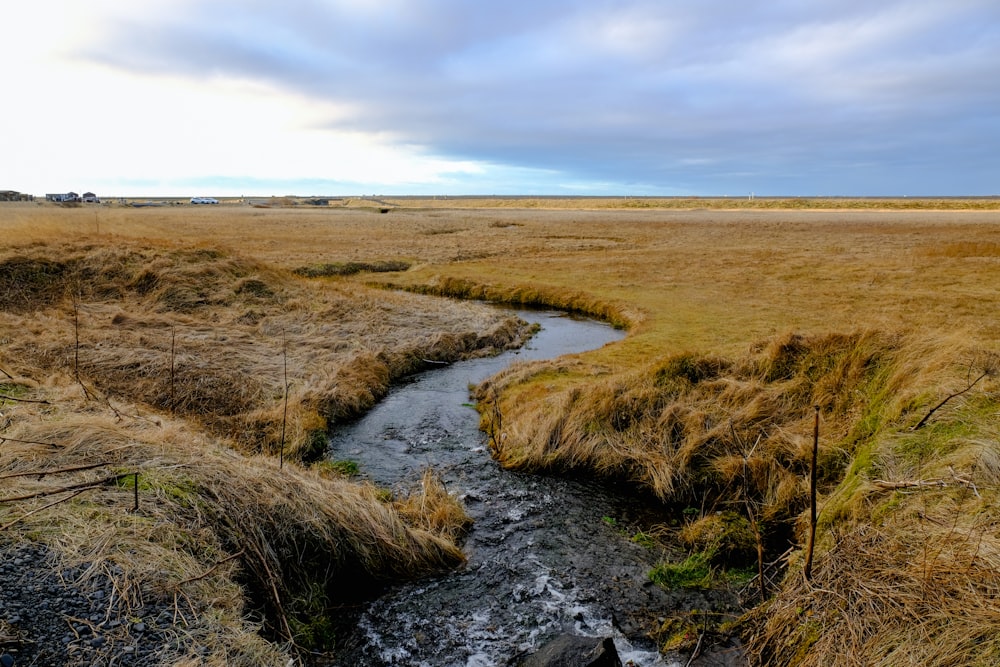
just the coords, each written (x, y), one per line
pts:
(545, 556)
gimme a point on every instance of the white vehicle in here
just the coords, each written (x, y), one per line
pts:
(204, 200)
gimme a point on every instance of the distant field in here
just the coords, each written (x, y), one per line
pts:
(699, 279)
(562, 202)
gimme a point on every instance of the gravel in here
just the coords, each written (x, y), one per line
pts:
(60, 618)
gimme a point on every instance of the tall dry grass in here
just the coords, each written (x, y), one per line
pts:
(204, 334)
(920, 590)
(695, 429)
(220, 536)
(172, 361)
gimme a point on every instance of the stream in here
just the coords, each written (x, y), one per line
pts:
(546, 556)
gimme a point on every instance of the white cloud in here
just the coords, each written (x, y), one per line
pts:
(84, 125)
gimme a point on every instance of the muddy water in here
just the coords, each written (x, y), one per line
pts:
(545, 556)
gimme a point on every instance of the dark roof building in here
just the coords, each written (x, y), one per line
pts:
(14, 195)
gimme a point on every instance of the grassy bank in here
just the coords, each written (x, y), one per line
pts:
(740, 323)
(211, 380)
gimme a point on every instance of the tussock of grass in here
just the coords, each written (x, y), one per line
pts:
(683, 427)
(695, 571)
(200, 333)
(293, 534)
(351, 268)
(618, 315)
(924, 592)
(434, 509)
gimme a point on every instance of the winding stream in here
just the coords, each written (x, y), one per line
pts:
(545, 556)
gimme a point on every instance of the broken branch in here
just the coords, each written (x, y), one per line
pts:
(948, 398)
(56, 471)
(74, 487)
(5, 397)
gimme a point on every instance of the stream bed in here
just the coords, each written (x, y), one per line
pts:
(546, 556)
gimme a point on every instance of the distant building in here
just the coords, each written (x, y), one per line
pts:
(90, 198)
(14, 195)
(63, 197)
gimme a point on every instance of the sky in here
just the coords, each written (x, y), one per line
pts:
(556, 97)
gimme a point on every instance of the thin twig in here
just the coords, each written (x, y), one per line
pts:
(22, 400)
(213, 568)
(6, 373)
(173, 340)
(907, 484)
(948, 398)
(284, 415)
(810, 545)
(965, 481)
(697, 647)
(270, 579)
(119, 414)
(135, 490)
(56, 471)
(83, 486)
(44, 507)
(4, 439)
(76, 349)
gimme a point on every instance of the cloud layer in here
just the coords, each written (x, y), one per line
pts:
(649, 96)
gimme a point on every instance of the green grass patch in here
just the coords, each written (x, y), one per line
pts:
(695, 571)
(343, 467)
(10, 390)
(644, 540)
(311, 623)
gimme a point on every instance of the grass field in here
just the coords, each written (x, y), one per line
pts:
(742, 317)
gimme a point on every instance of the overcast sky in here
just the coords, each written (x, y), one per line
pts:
(599, 97)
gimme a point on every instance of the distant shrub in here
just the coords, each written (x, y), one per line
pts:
(350, 268)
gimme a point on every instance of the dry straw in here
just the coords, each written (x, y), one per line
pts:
(153, 377)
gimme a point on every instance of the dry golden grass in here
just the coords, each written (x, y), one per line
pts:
(214, 337)
(922, 590)
(739, 322)
(168, 360)
(217, 534)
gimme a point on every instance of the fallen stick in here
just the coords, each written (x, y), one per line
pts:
(212, 569)
(5, 397)
(4, 439)
(45, 507)
(907, 483)
(43, 473)
(939, 482)
(82, 487)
